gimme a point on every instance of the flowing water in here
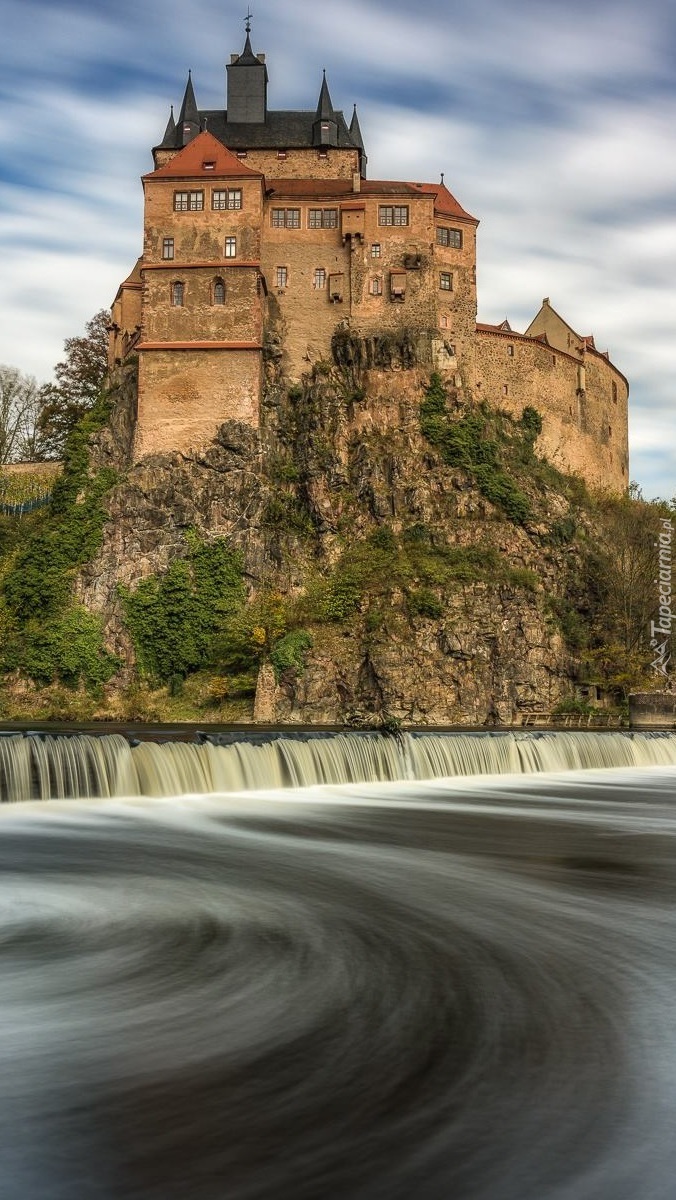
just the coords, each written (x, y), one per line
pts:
(453, 988)
(49, 767)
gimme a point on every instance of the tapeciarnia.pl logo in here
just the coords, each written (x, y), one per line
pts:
(660, 630)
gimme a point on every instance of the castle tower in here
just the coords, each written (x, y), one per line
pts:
(247, 86)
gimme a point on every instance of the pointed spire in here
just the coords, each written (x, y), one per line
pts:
(355, 131)
(355, 134)
(169, 139)
(188, 118)
(325, 125)
(325, 107)
(247, 55)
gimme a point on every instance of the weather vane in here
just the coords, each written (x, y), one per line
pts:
(247, 19)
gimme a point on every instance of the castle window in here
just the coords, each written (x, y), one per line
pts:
(553, 360)
(177, 294)
(443, 322)
(223, 199)
(505, 389)
(375, 250)
(218, 292)
(281, 154)
(376, 286)
(323, 153)
(449, 237)
(285, 218)
(393, 214)
(282, 275)
(167, 247)
(322, 218)
(510, 351)
(614, 392)
(230, 247)
(319, 278)
(446, 281)
(241, 153)
(188, 201)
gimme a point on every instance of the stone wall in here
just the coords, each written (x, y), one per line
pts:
(330, 163)
(652, 710)
(183, 397)
(584, 429)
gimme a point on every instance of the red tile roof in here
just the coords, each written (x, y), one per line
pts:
(334, 189)
(189, 162)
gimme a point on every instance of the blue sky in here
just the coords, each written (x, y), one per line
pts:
(554, 124)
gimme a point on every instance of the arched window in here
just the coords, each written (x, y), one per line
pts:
(177, 294)
(218, 292)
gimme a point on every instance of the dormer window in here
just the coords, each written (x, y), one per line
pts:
(281, 154)
(208, 166)
(241, 153)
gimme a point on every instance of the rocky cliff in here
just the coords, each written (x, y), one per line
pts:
(417, 543)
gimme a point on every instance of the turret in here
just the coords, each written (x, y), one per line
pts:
(247, 86)
(325, 126)
(188, 118)
(355, 134)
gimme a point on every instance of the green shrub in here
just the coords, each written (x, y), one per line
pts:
(67, 648)
(290, 651)
(424, 603)
(174, 619)
(469, 442)
(36, 591)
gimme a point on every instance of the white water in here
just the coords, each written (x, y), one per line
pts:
(43, 768)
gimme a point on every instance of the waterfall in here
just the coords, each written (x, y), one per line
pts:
(43, 767)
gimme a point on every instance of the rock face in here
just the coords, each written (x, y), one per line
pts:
(333, 462)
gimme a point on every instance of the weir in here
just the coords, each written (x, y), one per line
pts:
(45, 767)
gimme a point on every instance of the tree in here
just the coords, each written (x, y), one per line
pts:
(20, 399)
(79, 379)
(623, 586)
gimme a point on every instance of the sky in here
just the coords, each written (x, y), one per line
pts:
(553, 123)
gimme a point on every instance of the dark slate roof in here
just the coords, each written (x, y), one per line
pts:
(324, 105)
(247, 57)
(355, 131)
(281, 131)
(188, 111)
(169, 139)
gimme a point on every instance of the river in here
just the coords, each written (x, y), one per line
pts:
(426, 989)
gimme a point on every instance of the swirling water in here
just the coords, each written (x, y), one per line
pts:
(431, 990)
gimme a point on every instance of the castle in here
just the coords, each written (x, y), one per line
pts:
(257, 218)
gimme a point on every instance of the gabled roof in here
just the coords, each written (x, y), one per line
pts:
(189, 162)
